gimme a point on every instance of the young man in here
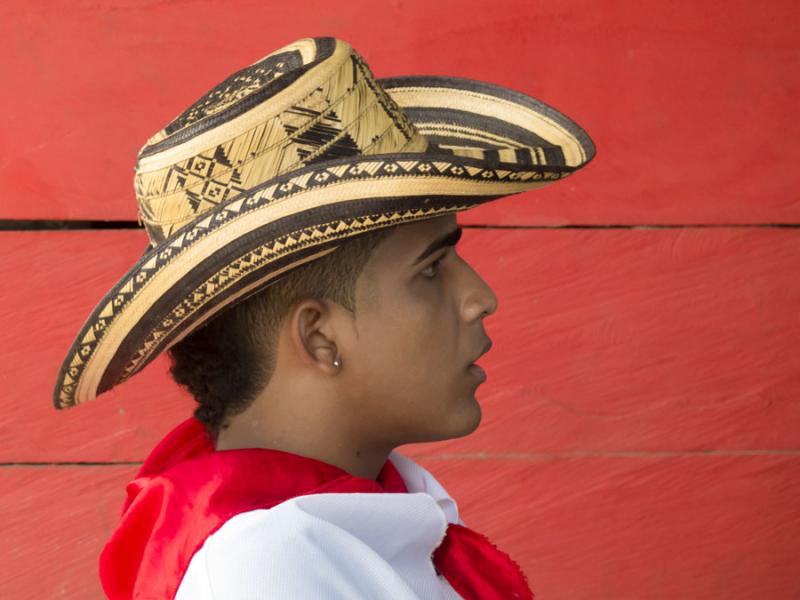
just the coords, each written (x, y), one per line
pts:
(348, 381)
(302, 275)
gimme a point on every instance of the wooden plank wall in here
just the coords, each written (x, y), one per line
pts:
(641, 429)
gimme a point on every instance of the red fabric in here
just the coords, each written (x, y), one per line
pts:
(186, 490)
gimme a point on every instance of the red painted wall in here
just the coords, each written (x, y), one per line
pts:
(641, 430)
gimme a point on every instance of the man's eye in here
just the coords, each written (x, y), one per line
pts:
(434, 265)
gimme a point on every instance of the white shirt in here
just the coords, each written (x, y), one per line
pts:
(339, 546)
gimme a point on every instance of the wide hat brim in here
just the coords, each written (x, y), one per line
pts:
(488, 142)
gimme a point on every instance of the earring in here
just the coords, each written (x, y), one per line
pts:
(336, 362)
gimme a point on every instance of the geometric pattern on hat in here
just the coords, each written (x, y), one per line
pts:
(252, 182)
(345, 113)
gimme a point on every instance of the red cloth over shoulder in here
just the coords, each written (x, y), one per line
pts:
(186, 490)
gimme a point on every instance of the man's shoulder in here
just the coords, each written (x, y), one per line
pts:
(334, 545)
(309, 546)
(348, 518)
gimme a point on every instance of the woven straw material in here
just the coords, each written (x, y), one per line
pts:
(207, 155)
(284, 161)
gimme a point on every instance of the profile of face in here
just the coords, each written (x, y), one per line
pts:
(418, 327)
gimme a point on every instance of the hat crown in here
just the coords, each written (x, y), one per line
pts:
(312, 100)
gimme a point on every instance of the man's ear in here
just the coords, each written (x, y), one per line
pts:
(312, 335)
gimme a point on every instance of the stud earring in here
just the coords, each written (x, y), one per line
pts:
(336, 362)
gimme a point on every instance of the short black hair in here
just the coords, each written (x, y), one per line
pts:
(226, 362)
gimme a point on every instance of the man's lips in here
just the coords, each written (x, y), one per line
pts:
(486, 347)
(478, 372)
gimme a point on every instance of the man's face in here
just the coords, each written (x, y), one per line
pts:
(419, 326)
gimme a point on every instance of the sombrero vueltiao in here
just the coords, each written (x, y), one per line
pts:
(284, 161)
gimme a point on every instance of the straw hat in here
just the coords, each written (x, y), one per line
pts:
(284, 161)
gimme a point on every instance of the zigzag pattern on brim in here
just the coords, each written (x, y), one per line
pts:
(249, 241)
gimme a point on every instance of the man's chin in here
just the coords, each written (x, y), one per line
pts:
(468, 419)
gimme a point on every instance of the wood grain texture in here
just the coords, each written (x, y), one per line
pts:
(688, 102)
(52, 282)
(604, 341)
(641, 424)
(645, 527)
(593, 528)
(53, 522)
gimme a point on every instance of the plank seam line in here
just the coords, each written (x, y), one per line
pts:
(483, 456)
(590, 454)
(69, 464)
(79, 225)
(641, 226)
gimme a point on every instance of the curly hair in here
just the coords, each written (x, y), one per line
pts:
(226, 362)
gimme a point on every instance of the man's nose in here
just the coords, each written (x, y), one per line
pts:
(481, 301)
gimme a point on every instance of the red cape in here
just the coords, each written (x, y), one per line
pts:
(186, 490)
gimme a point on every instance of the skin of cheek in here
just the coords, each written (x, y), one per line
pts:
(414, 390)
(391, 379)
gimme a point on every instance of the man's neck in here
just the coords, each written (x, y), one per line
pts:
(245, 431)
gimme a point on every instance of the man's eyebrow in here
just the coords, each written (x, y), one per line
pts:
(448, 239)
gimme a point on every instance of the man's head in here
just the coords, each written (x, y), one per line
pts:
(404, 328)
